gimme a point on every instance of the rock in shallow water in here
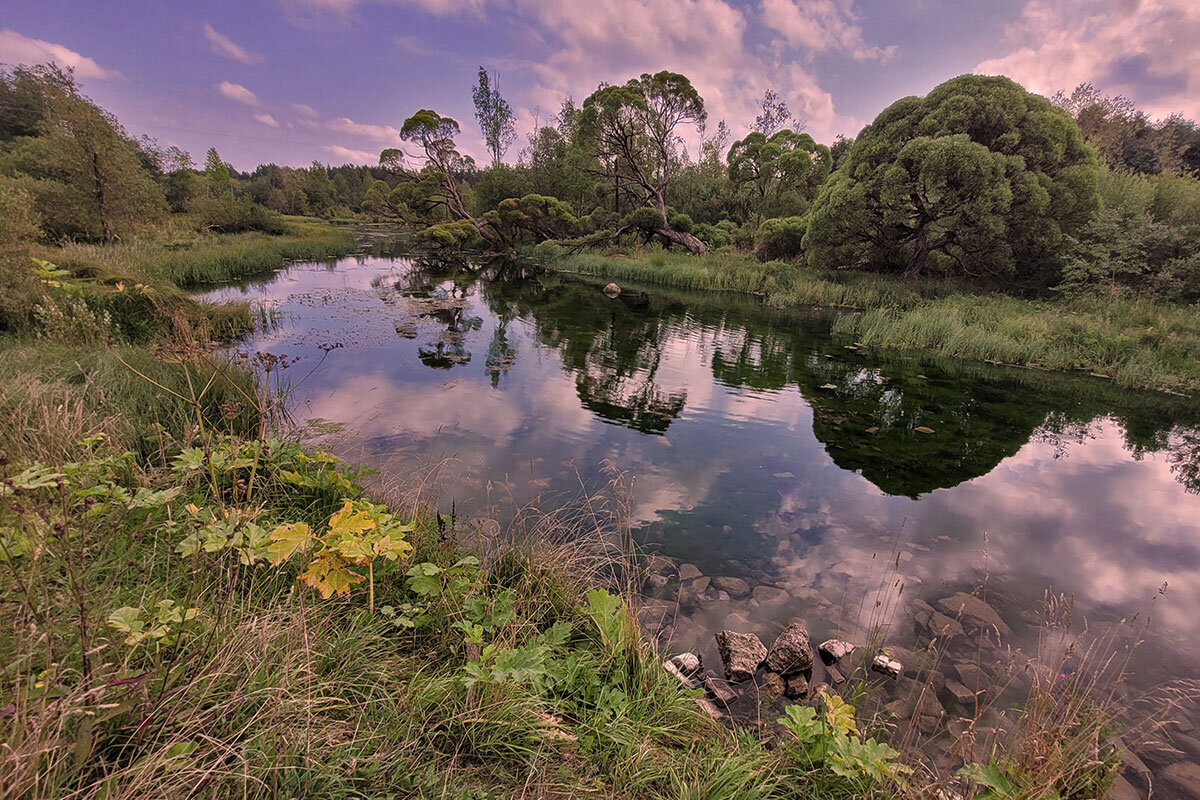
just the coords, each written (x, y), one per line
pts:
(735, 586)
(834, 650)
(973, 611)
(887, 665)
(741, 654)
(792, 651)
(612, 290)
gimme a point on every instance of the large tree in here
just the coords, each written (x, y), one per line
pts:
(979, 178)
(778, 176)
(634, 131)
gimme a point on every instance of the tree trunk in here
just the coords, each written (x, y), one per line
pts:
(98, 179)
(693, 244)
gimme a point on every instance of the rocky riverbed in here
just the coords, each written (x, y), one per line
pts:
(942, 673)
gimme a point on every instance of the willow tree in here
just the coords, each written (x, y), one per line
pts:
(980, 179)
(633, 130)
(781, 174)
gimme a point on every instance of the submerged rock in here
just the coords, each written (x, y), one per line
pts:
(792, 651)
(972, 610)
(1184, 778)
(689, 571)
(741, 654)
(735, 586)
(770, 595)
(721, 691)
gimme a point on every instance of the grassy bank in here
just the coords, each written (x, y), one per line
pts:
(187, 259)
(1139, 344)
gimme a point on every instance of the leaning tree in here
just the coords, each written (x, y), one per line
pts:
(980, 178)
(633, 130)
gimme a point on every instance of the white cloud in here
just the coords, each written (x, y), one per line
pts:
(267, 119)
(821, 26)
(307, 111)
(237, 93)
(1144, 50)
(380, 133)
(18, 49)
(224, 46)
(351, 155)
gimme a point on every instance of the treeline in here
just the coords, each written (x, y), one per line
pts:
(980, 180)
(69, 171)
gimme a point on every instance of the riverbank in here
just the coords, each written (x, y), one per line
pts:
(1137, 343)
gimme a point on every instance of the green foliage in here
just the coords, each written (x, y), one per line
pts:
(829, 739)
(780, 239)
(163, 626)
(228, 213)
(978, 178)
(643, 219)
(498, 183)
(778, 176)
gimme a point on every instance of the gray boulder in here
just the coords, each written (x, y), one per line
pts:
(741, 654)
(792, 651)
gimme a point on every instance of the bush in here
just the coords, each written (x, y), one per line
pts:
(682, 223)
(231, 214)
(780, 238)
(644, 219)
(713, 236)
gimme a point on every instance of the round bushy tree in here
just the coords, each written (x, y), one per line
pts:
(980, 178)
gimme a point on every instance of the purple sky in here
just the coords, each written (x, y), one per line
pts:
(291, 81)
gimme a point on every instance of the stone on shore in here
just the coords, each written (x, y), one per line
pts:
(741, 654)
(792, 651)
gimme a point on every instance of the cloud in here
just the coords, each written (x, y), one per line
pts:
(222, 45)
(380, 133)
(821, 26)
(303, 110)
(704, 39)
(18, 49)
(1144, 50)
(351, 155)
(237, 93)
(439, 8)
(267, 119)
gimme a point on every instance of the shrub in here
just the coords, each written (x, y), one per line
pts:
(644, 219)
(780, 238)
(231, 214)
(713, 236)
(681, 222)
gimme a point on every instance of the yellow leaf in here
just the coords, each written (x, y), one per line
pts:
(355, 550)
(329, 576)
(286, 540)
(349, 521)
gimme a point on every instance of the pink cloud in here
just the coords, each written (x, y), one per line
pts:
(18, 49)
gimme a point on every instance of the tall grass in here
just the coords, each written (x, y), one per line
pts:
(1137, 343)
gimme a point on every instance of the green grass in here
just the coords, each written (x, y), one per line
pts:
(1137, 343)
(187, 260)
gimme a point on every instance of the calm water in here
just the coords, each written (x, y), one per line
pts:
(762, 448)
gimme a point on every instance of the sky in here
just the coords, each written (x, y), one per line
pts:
(292, 81)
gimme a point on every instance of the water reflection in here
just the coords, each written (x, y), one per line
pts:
(763, 447)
